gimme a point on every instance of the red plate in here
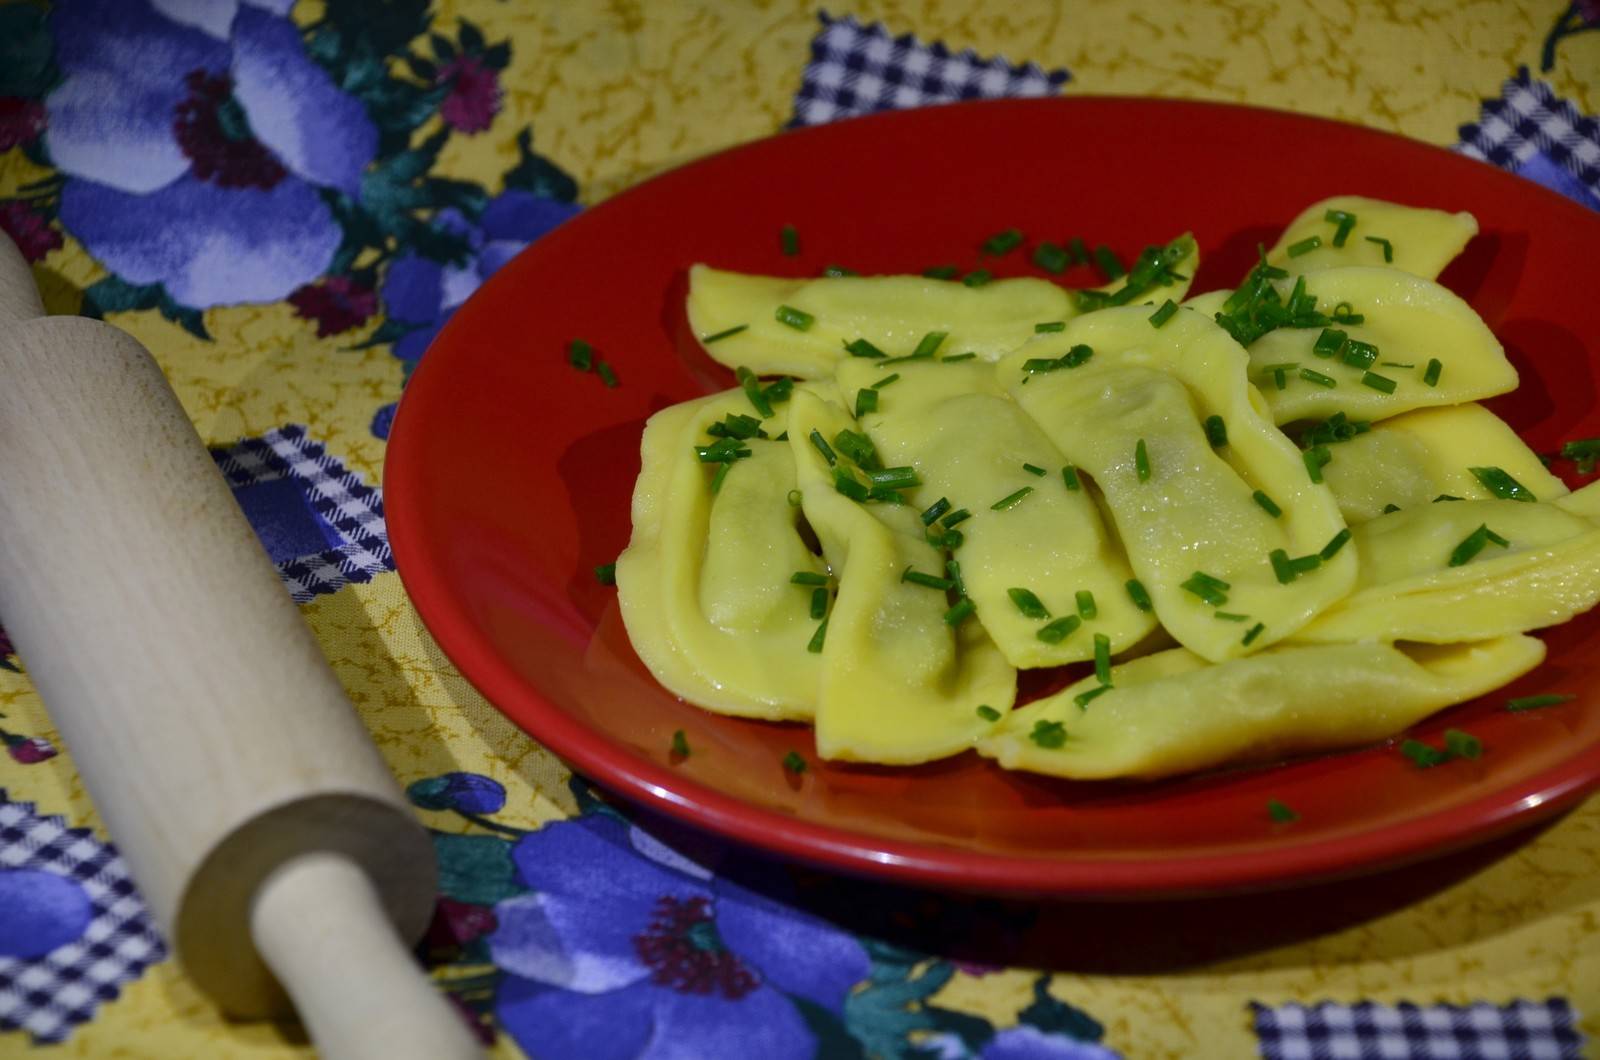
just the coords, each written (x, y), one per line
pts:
(509, 476)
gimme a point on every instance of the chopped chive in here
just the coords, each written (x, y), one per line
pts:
(846, 483)
(1254, 632)
(1397, 364)
(680, 745)
(960, 515)
(1501, 484)
(977, 277)
(836, 271)
(1316, 458)
(988, 713)
(1138, 594)
(580, 355)
(1059, 630)
(1387, 508)
(798, 319)
(1583, 452)
(1200, 585)
(779, 390)
(1312, 376)
(606, 374)
(806, 577)
(1445, 497)
(823, 447)
(1330, 342)
(795, 498)
(1002, 242)
(934, 510)
(606, 574)
(717, 479)
(1378, 382)
(1421, 755)
(954, 570)
(930, 342)
(1048, 734)
(1034, 469)
(1010, 500)
(1228, 616)
(1460, 744)
(885, 381)
(1280, 377)
(1388, 248)
(814, 645)
(1535, 702)
(1083, 699)
(721, 451)
(1102, 658)
(1345, 313)
(819, 603)
(959, 612)
(1470, 546)
(1168, 310)
(1305, 246)
(1111, 266)
(737, 425)
(789, 240)
(1141, 461)
(1268, 505)
(1281, 567)
(866, 401)
(1335, 543)
(857, 447)
(1216, 431)
(1280, 813)
(952, 358)
(952, 539)
(931, 581)
(1344, 221)
(1086, 606)
(793, 763)
(1307, 563)
(1078, 250)
(1430, 375)
(1049, 326)
(941, 272)
(1050, 257)
(1069, 476)
(1359, 354)
(863, 348)
(752, 390)
(1029, 604)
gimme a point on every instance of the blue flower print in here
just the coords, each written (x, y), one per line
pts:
(43, 912)
(626, 948)
(198, 140)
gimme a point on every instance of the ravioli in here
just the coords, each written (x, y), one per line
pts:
(1421, 241)
(703, 585)
(1411, 321)
(899, 685)
(970, 444)
(1547, 571)
(1413, 458)
(1196, 511)
(1172, 713)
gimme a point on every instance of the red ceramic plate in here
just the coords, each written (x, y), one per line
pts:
(509, 475)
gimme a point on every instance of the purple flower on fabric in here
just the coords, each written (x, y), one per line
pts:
(474, 97)
(466, 792)
(30, 750)
(196, 138)
(627, 948)
(424, 293)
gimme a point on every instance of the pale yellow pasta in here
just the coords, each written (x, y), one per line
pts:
(899, 685)
(1196, 511)
(1172, 713)
(1421, 241)
(969, 442)
(721, 627)
(1413, 458)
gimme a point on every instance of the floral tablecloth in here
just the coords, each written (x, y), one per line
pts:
(285, 201)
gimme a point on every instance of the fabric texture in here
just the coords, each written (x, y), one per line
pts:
(1522, 1030)
(1532, 131)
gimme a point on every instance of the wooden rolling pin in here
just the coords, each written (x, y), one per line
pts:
(259, 820)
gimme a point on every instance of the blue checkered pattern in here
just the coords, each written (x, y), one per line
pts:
(49, 995)
(1522, 1030)
(858, 69)
(320, 523)
(1532, 131)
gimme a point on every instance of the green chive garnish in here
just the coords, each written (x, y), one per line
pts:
(895, 478)
(1110, 265)
(819, 603)
(752, 390)
(1049, 326)
(941, 272)
(1307, 563)
(789, 240)
(806, 577)
(1034, 469)
(1010, 500)
(988, 713)
(952, 539)
(863, 348)
(1444, 497)
(916, 577)
(1359, 354)
(1330, 342)
(857, 447)
(955, 518)
(580, 355)
(1102, 658)
(794, 498)
(798, 319)
(1582, 451)
(1078, 250)
(680, 744)
(606, 574)
(1460, 744)
(814, 645)
(606, 374)
(1388, 247)
(793, 763)
(1430, 375)
(717, 479)
(1029, 604)
(1421, 755)
(1280, 813)
(1281, 566)
(1305, 246)
(1168, 310)
(1085, 602)
(958, 613)
(846, 483)
(930, 342)
(721, 451)
(1268, 505)
(1378, 382)
(1069, 476)
(1216, 431)
(1141, 461)
(1344, 220)
(780, 390)
(954, 570)
(1335, 543)
(1050, 257)
(1048, 734)
(885, 381)
(823, 447)
(1316, 458)
(1138, 594)
(1059, 630)
(1345, 313)
(1312, 376)
(1387, 508)
(1501, 484)
(1228, 616)
(1207, 588)
(866, 401)
(1002, 242)
(1470, 546)
(952, 358)
(1535, 702)
(1254, 632)
(1083, 699)
(1397, 364)
(934, 510)
(977, 277)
